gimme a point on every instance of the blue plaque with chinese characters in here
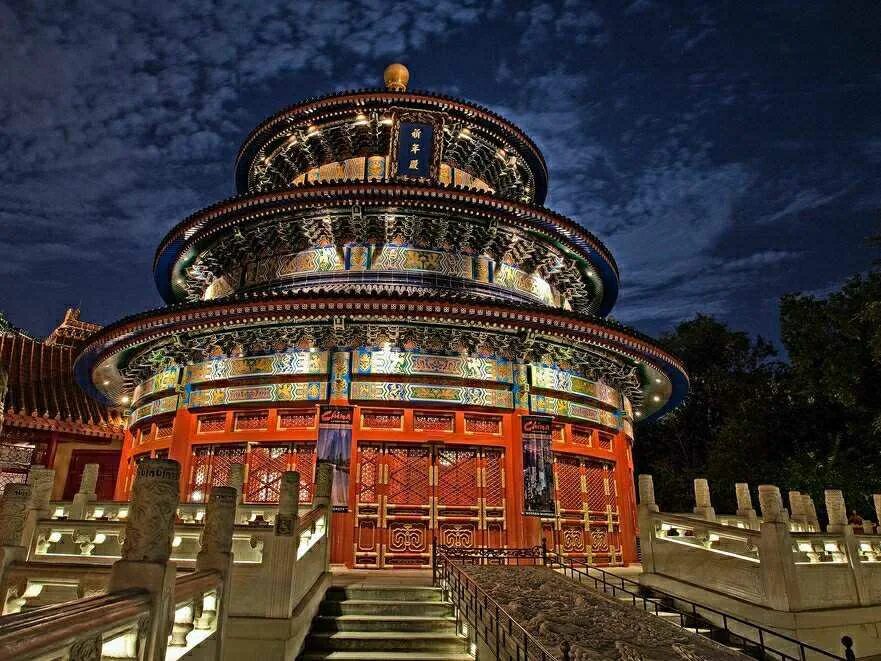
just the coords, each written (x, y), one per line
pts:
(415, 144)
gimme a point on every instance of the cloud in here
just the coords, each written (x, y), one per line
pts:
(688, 143)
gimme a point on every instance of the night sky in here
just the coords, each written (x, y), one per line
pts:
(727, 153)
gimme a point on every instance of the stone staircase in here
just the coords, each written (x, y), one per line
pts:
(388, 622)
(665, 609)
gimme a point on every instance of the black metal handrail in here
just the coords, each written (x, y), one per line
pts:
(483, 614)
(649, 598)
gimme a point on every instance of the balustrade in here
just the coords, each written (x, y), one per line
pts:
(118, 567)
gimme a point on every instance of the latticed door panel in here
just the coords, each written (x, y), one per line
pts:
(457, 506)
(602, 510)
(407, 506)
(493, 500)
(408, 494)
(209, 467)
(368, 475)
(586, 521)
(266, 463)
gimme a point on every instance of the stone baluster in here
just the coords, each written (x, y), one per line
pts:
(796, 514)
(776, 560)
(288, 504)
(149, 532)
(13, 512)
(745, 504)
(280, 553)
(41, 480)
(647, 493)
(323, 484)
(836, 511)
(237, 481)
(810, 511)
(702, 505)
(647, 507)
(323, 494)
(215, 554)
(87, 493)
(13, 516)
(771, 504)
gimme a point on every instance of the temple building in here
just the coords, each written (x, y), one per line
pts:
(386, 292)
(46, 419)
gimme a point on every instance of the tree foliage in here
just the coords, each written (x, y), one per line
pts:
(808, 423)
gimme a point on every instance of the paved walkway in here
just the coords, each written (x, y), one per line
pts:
(554, 608)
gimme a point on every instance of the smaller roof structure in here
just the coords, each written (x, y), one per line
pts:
(41, 393)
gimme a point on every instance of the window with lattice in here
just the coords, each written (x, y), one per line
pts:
(210, 466)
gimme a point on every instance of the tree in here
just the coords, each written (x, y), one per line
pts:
(719, 431)
(834, 347)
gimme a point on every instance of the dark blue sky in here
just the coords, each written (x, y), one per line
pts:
(726, 152)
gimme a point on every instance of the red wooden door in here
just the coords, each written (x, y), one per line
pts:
(108, 466)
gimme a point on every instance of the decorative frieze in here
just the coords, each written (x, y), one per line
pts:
(415, 392)
(154, 408)
(279, 364)
(550, 378)
(568, 409)
(312, 391)
(406, 363)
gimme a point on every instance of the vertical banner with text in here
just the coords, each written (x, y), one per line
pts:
(334, 446)
(538, 468)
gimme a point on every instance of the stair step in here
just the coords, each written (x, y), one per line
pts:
(698, 630)
(383, 607)
(384, 592)
(386, 656)
(385, 623)
(380, 641)
(668, 615)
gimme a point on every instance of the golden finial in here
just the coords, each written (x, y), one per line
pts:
(396, 77)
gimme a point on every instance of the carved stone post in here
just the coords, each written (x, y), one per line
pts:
(647, 506)
(702, 505)
(149, 532)
(771, 504)
(323, 494)
(647, 492)
(323, 484)
(237, 480)
(288, 504)
(745, 504)
(796, 512)
(280, 551)
(13, 513)
(41, 480)
(776, 561)
(86, 495)
(810, 512)
(836, 510)
(216, 554)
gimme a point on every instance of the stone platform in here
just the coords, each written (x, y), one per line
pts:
(554, 608)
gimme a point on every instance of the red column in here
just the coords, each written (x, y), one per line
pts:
(626, 497)
(122, 474)
(179, 448)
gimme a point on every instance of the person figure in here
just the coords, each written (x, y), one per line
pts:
(855, 520)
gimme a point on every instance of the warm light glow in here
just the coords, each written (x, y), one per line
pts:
(656, 398)
(125, 399)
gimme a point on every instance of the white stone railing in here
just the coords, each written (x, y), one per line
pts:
(171, 586)
(781, 560)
